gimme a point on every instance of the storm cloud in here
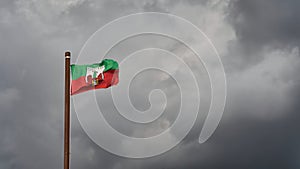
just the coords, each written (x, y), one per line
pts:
(258, 42)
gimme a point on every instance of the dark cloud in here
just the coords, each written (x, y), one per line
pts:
(261, 120)
(258, 23)
(261, 24)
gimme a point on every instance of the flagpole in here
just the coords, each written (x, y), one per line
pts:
(67, 112)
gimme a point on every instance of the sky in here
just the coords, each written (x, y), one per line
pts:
(258, 43)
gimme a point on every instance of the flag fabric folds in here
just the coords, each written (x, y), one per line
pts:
(94, 76)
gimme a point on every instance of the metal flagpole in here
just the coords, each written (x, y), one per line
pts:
(67, 112)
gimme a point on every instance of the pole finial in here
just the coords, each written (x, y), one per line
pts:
(67, 54)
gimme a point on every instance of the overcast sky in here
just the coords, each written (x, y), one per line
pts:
(258, 42)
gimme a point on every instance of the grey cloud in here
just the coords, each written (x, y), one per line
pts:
(261, 24)
(261, 121)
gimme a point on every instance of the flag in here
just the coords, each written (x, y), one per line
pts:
(94, 76)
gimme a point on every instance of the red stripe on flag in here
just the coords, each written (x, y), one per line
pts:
(111, 77)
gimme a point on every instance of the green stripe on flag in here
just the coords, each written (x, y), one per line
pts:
(80, 70)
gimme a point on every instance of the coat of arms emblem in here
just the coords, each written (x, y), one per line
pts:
(92, 75)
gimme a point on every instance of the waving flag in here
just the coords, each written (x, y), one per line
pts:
(94, 76)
